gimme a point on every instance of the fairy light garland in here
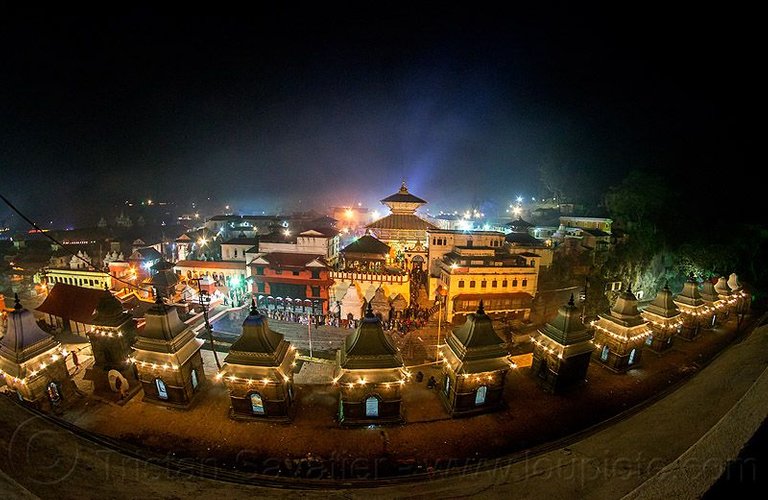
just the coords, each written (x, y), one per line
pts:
(34, 372)
(622, 338)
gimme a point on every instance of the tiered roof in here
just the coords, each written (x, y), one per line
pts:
(165, 338)
(258, 345)
(23, 341)
(474, 347)
(567, 327)
(663, 305)
(368, 348)
(690, 295)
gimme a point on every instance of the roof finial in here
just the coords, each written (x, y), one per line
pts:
(403, 187)
(570, 302)
(17, 302)
(480, 308)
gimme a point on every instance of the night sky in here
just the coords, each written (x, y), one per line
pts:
(282, 110)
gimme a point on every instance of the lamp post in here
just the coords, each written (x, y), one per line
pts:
(201, 295)
(441, 292)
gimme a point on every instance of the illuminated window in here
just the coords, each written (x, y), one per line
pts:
(372, 406)
(649, 340)
(480, 395)
(162, 391)
(257, 404)
(195, 382)
(632, 355)
(604, 353)
(447, 384)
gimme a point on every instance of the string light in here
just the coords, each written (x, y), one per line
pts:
(36, 371)
(622, 338)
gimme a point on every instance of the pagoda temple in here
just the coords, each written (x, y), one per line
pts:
(402, 229)
(716, 307)
(562, 350)
(475, 364)
(620, 334)
(693, 310)
(33, 363)
(167, 357)
(370, 375)
(111, 338)
(258, 371)
(664, 318)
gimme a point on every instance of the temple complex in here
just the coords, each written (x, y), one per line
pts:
(258, 371)
(620, 334)
(475, 364)
(33, 363)
(167, 357)
(370, 374)
(562, 350)
(664, 318)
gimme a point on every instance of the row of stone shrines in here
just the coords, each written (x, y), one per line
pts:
(165, 358)
(564, 347)
(370, 373)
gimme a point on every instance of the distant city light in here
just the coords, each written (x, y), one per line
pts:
(287, 232)
(519, 199)
(202, 241)
(517, 210)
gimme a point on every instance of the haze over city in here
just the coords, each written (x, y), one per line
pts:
(278, 111)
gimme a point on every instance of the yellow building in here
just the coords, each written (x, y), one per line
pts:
(86, 278)
(505, 282)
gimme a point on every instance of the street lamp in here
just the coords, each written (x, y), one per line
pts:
(441, 292)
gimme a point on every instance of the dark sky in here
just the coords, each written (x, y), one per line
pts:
(272, 110)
